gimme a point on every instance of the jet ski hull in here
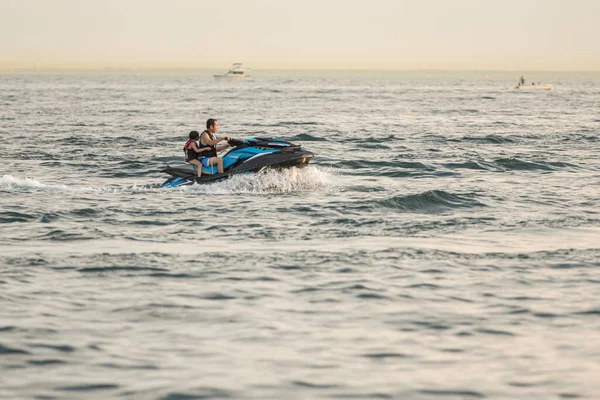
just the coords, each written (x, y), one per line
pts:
(252, 156)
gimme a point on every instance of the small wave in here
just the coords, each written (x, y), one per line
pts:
(12, 183)
(89, 388)
(314, 385)
(372, 146)
(63, 236)
(495, 332)
(387, 139)
(493, 139)
(120, 269)
(517, 164)
(460, 111)
(464, 165)
(359, 164)
(294, 123)
(64, 348)
(452, 393)
(366, 189)
(11, 350)
(591, 312)
(430, 201)
(477, 165)
(120, 140)
(305, 137)
(201, 393)
(413, 165)
(285, 123)
(51, 361)
(581, 137)
(384, 355)
(10, 217)
(75, 140)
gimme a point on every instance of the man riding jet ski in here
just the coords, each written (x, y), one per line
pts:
(248, 155)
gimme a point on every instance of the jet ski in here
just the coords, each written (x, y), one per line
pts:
(244, 156)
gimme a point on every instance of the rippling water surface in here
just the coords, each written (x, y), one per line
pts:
(444, 243)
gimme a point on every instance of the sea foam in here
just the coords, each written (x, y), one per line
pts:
(265, 182)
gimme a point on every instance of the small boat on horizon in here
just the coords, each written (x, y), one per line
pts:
(236, 72)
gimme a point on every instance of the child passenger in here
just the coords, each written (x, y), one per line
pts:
(192, 152)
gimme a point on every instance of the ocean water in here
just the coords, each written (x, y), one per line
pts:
(443, 244)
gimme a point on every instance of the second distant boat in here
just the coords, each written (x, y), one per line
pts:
(534, 87)
(236, 72)
(522, 86)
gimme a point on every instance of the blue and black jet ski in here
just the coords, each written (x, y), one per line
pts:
(244, 156)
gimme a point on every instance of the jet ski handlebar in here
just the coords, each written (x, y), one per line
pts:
(235, 142)
(273, 143)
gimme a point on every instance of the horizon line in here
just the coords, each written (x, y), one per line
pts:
(123, 68)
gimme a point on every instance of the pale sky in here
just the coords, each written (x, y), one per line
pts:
(304, 34)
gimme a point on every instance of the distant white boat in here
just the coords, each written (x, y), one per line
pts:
(236, 72)
(522, 85)
(533, 86)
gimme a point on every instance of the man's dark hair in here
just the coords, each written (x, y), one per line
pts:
(210, 122)
(194, 135)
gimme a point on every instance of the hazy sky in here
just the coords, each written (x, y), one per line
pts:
(352, 34)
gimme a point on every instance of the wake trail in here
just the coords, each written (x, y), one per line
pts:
(289, 180)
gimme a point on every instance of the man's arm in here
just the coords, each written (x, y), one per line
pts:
(205, 139)
(199, 149)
